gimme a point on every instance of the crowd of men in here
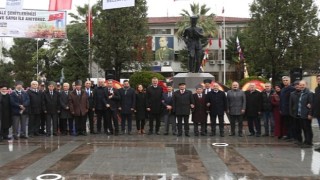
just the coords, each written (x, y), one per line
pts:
(286, 110)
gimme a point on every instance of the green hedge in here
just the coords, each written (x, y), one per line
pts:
(143, 78)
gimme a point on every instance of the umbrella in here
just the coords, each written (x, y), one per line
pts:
(260, 86)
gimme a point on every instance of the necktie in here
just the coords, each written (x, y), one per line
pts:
(51, 93)
(66, 92)
(169, 95)
(200, 96)
(182, 91)
(88, 92)
(78, 92)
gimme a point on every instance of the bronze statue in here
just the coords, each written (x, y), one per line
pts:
(192, 37)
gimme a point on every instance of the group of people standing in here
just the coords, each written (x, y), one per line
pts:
(285, 112)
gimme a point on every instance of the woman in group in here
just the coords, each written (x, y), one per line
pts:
(5, 112)
(140, 109)
(275, 101)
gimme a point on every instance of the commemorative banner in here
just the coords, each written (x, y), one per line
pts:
(114, 4)
(33, 24)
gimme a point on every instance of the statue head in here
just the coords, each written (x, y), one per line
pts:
(194, 20)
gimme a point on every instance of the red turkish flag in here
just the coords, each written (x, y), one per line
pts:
(57, 5)
(89, 23)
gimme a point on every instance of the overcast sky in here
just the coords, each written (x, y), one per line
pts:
(233, 8)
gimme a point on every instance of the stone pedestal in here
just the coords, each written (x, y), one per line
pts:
(191, 79)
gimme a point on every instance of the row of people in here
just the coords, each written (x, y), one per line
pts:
(277, 109)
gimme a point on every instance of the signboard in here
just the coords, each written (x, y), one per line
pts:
(113, 4)
(33, 24)
(14, 5)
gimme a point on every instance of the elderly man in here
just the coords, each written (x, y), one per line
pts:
(253, 110)
(267, 110)
(35, 109)
(65, 115)
(89, 92)
(20, 103)
(236, 106)
(100, 103)
(316, 105)
(217, 102)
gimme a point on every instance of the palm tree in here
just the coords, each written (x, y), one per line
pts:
(206, 21)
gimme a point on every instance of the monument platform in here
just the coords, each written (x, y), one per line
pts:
(191, 79)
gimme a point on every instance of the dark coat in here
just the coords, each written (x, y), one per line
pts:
(236, 101)
(266, 101)
(316, 102)
(100, 98)
(64, 103)
(166, 100)
(79, 105)
(35, 102)
(90, 98)
(306, 98)
(284, 99)
(127, 100)
(199, 113)
(115, 100)
(154, 99)
(254, 103)
(141, 105)
(16, 101)
(51, 105)
(5, 111)
(182, 102)
(218, 102)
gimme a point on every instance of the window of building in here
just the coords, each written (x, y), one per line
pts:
(160, 31)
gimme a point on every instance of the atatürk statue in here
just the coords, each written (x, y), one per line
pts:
(192, 36)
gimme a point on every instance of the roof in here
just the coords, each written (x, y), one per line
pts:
(174, 19)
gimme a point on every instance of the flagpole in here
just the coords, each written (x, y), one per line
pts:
(224, 48)
(89, 39)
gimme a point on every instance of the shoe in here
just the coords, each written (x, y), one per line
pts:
(116, 133)
(157, 133)
(251, 134)
(129, 133)
(196, 134)
(121, 133)
(213, 134)
(285, 137)
(55, 134)
(150, 133)
(166, 134)
(23, 137)
(232, 134)
(142, 131)
(258, 135)
(179, 134)
(203, 134)
(139, 132)
(265, 135)
(289, 140)
(6, 138)
(15, 137)
(48, 135)
(174, 134)
(221, 135)
(84, 133)
(306, 146)
(187, 135)
(240, 135)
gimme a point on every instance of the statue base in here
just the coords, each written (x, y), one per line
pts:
(191, 79)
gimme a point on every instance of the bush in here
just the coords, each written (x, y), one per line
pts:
(143, 78)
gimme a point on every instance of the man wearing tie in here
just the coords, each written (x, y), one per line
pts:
(100, 102)
(206, 90)
(79, 105)
(113, 99)
(169, 116)
(217, 102)
(51, 108)
(199, 114)
(65, 115)
(183, 102)
(19, 102)
(91, 106)
(154, 104)
(35, 109)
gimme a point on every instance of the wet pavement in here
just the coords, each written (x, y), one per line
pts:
(159, 157)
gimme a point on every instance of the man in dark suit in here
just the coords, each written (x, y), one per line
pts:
(35, 109)
(199, 113)
(79, 105)
(206, 90)
(19, 103)
(100, 104)
(127, 106)
(217, 102)
(65, 114)
(90, 113)
(253, 110)
(183, 102)
(113, 99)
(51, 108)
(154, 104)
(169, 116)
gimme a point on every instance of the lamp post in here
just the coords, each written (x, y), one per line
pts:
(37, 58)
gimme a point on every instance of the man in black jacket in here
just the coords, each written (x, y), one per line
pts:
(316, 104)
(65, 115)
(100, 105)
(113, 99)
(154, 104)
(253, 110)
(35, 109)
(217, 102)
(267, 112)
(51, 107)
(90, 113)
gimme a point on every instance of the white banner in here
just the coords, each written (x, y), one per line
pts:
(113, 4)
(33, 24)
(14, 5)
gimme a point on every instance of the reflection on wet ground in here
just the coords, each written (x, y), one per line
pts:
(158, 157)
